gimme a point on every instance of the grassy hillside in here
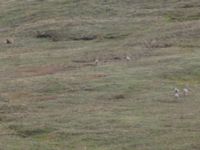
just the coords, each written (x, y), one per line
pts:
(54, 97)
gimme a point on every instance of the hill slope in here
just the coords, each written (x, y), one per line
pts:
(53, 96)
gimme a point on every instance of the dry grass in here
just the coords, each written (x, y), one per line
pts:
(53, 96)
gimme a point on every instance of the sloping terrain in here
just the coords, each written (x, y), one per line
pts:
(53, 95)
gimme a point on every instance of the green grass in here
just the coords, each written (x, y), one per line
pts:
(54, 97)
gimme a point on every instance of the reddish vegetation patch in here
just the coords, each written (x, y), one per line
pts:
(40, 70)
(97, 76)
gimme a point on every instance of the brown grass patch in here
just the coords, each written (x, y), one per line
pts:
(19, 95)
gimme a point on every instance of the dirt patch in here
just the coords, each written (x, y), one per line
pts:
(82, 61)
(40, 70)
(19, 95)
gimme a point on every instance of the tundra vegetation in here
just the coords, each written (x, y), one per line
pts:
(99, 74)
